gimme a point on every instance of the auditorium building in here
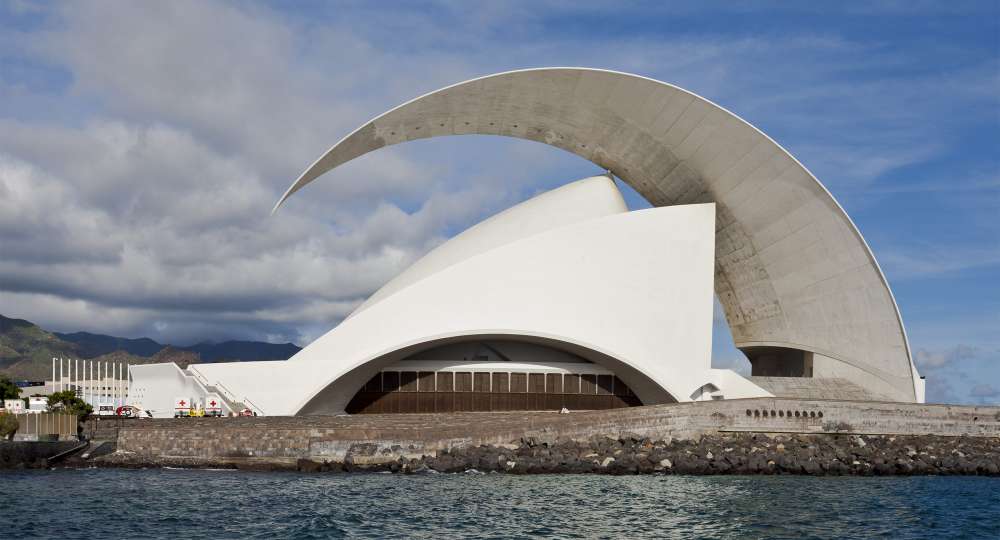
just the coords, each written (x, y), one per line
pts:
(569, 299)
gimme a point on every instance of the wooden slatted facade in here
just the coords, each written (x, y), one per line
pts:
(428, 392)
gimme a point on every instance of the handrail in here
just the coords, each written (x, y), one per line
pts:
(227, 393)
(254, 406)
(217, 387)
(198, 376)
(245, 400)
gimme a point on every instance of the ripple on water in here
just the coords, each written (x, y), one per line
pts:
(206, 504)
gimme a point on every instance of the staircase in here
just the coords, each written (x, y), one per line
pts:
(229, 398)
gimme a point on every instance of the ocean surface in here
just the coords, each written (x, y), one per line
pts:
(111, 504)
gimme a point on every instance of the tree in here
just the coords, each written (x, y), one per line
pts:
(68, 402)
(8, 426)
(8, 390)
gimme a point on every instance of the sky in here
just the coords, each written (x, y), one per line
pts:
(143, 144)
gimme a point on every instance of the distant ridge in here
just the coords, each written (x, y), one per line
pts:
(243, 350)
(91, 345)
(26, 350)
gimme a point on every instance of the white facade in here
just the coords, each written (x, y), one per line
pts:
(735, 216)
(157, 388)
(97, 382)
(571, 269)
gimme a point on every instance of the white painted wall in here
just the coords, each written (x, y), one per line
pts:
(154, 387)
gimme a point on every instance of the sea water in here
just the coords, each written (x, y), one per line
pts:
(111, 504)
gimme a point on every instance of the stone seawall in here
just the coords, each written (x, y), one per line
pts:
(31, 454)
(281, 442)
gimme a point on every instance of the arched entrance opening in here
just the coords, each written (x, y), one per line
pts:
(491, 375)
(488, 373)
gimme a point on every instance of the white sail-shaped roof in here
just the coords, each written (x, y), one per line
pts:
(791, 269)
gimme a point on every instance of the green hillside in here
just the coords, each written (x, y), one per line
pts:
(26, 351)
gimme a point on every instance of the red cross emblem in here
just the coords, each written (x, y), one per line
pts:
(212, 403)
(181, 403)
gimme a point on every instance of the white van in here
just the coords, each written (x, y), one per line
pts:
(38, 404)
(105, 409)
(14, 406)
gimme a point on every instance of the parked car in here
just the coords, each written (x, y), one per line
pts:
(131, 411)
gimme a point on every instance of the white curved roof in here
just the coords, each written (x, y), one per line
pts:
(792, 270)
(592, 288)
(584, 199)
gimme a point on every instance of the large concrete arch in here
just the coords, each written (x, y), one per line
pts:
(791, 269)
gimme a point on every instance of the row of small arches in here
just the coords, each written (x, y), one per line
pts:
(757, 413)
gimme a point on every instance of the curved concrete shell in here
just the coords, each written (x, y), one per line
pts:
(585, 199)
(570, 269)
(791, 270)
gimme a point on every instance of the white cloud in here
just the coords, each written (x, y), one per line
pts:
(931, 260)
(985, 392)
(140, 205)
(937, 359)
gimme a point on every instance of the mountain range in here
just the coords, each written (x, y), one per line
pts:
(26, 350)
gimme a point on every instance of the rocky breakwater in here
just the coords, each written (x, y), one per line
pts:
(727, 453)
(744, 453)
